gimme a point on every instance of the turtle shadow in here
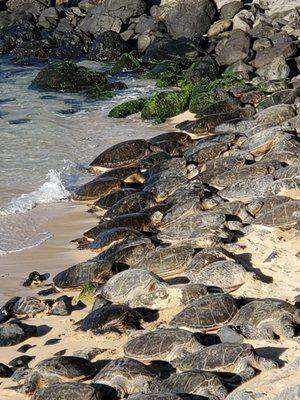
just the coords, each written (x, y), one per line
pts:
(272, 352)
(245, 260)
(147, 314)
(42, 330)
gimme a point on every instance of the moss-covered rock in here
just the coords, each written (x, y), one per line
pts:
(69, 77)
(165, 105)
(127, 108)
(126, 62)
(104, 92)
(168, 73)
(87, 293)
(205, 91)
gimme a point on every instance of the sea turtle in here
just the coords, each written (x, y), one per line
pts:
(210, 152)
(207, 256)
(6, 311)
(177, 136)
(57, 369)
(74, 391)
(96, 188)
(171, 147)
(111, 318)
(129, 252)
(110, 237)
(191, 154)
(168, 168)
(291, 171)
(5, 371)
(212, 168)
(142, 221)
(35, 279)
(127, 174)
(266, 319)
(289, 187)
(195, 382)
(132, 203)
(161, 344)
(141, 288)
(119, 155)
(80, 274)
(127, 376)
(163, 185)
(286, 152)
(286, 96)
(220, 107)
(113, 197)
(262, 140)
(167, 262)
(283, 216)
(30, 306)
(234, 175)
(205, 314)
(240, 359)
(152, 159)
(14, 332)
(236, 209)
(226, 274)
(248, 189)
(208, 123)
(192, 228)
(165, 396)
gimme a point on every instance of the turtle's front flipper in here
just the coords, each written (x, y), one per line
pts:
(31, 383)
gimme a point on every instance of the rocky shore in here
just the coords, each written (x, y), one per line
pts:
(190, 285)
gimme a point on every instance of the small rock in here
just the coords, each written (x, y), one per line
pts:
(219, 26)
(108, 46)
(275, 114)
(62, 306)
(229, 10)
(236, 48)
(276, 70)
(143, 42)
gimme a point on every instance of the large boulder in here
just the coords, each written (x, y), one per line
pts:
(108, 46)
(69, 77)
(27, 6)
(168, 49)
(236, 48)
(186, 18)
(96, 22)
(266, 56)
(124, 9)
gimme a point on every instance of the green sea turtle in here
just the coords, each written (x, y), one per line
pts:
(127, 376)
(267, 319)
(195, 382)
(161, 344)
(120, 155)
(177, 136)
(239, 359)
(163, 184)
(57, 369)
(226, 274)
(141, 288)
(285, 96)
(96, 188)
(153, 159)
(127, 174)
(112, 236)
(220, 107)
(211, 152)
(207, 256)
(105, 202)
(208, 313)
(291, 171)
(6, 311)
(133, 203)
(234, 175)
(165, 396)
(129, 251)
(80, 274)
(111, 318)
(234, 209)
(212, 168)
(29, 306)
(286, 152)
(191, 154)
(262, 140)
(289, 187)
(168, 168)
(248, 189)
(193, 228)
(14, 332)
(169, 146)
(208, 123)
(142, 221)
(283, 216)
(74, 391)
(167, 262)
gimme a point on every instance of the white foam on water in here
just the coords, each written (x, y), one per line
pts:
(51, 191)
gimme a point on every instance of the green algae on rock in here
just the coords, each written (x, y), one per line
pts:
(126, 62)
(106, 91)
(127, 108)
(87, 293)
(165, 105)
(69, 77)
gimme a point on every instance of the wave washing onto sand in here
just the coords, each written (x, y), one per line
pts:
(51, 191)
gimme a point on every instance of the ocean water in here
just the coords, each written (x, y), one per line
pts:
(47, 140)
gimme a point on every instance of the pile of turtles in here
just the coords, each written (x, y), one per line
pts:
(171, 211)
